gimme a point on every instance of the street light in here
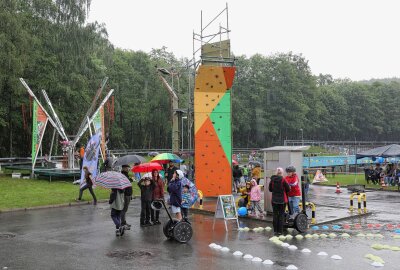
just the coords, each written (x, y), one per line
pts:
(302, 139)
(183, 117)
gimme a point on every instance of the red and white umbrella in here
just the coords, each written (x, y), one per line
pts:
(112, 179)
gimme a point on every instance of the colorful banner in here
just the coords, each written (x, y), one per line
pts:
(91, 158)
(98, 123)
(38, 127)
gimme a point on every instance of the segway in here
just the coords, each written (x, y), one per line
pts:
(180, 231)
(300, 222)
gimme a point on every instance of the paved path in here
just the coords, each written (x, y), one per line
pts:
(82, 237)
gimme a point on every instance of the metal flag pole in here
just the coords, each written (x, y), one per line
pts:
(38, 102)
(83, 125)
(79, 135)
(57, 120)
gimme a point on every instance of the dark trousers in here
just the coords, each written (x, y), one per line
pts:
(127, 201)
(145, 212)
(116, 217)
(279, 212)
(155, 214)
(90, 190)
(185, 212)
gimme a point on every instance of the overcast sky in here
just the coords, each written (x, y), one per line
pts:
(356, 39)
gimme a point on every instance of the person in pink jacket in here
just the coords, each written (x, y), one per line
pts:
(255, 198)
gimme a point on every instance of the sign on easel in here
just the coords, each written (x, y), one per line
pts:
(226, 209)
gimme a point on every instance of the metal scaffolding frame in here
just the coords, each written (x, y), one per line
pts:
(56, 123)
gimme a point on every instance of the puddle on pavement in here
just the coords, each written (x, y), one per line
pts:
(7, 235)
(130, 254)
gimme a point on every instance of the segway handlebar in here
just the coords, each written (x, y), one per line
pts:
(303, 195)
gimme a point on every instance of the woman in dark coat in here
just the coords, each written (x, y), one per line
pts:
(279, 188)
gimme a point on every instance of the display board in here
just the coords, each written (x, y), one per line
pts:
(226, 209)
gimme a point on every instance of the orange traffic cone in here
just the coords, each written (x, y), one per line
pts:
(338, 188)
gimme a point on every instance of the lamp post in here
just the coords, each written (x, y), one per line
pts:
(174, 107)
(183, 117)
(302, 138)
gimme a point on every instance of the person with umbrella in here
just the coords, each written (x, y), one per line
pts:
(158, 194)
(127, 199)
(170, 171)
(146, 195)
(170, 159)
(117, 182)
(87, 185)
(117, 205)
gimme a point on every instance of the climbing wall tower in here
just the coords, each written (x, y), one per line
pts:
(213, 132)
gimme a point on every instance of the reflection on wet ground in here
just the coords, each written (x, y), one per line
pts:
(83, 237)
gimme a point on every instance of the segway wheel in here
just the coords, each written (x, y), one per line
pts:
(183, 232)
(169, 227)
(301, 223)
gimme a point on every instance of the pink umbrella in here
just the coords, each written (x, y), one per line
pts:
(147, 167)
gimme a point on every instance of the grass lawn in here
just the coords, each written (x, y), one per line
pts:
(22, 193)
(350, 179)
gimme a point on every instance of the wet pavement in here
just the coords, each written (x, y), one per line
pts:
(83, 237)
(330, 207)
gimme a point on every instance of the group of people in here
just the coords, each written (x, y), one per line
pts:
(285, 191)
(245, 173)
(387, 175)
(251, 197)
(151, 189)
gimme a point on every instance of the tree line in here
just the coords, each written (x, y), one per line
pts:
(52, 46)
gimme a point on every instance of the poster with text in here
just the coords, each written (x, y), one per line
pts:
(91, 158)
(39, 123)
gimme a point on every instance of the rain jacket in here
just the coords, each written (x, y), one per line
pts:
(294, 184)
(170, 171)
(175, 192)
(117, 199)
(279, 188)
(146, 192)
(255, 193)
(158, 192)
(128, 190)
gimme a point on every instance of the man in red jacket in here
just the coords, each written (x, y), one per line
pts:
(295, 193)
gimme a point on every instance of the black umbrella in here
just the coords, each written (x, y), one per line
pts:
(129, 159)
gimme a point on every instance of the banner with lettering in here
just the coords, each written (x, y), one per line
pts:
(91, 158)
(39, 124)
